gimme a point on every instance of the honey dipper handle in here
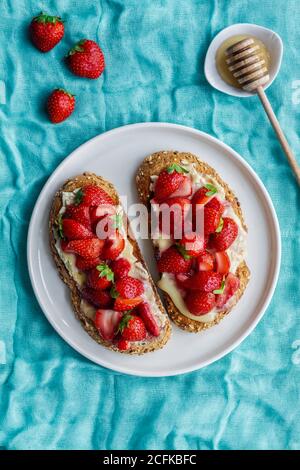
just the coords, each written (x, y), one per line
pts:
(281, 137)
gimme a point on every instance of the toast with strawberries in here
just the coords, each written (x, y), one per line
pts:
(200, 247)
(111, 289)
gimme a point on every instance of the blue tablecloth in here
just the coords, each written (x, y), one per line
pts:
(53, 398)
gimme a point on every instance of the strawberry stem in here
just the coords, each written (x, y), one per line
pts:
(44, 18)
(65, 92)
(77, 48)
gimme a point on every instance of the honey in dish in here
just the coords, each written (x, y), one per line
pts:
(221, 57)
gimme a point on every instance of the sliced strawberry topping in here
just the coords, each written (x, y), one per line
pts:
(211, 220)
(184, 189)
(173, 213)
(200, 303)
(122, 305)
(171, 261)
(114, 245)
(216, 204)
(168, 181)
(206, 281)
(232, 283)
(94, 196)
(80, 213)
(181, 279)
(222, 262)
(99, 298)
(107, 322)
(120, 267)
(123, 344)
(100, 277)
(74, 230)
(201, 196)
(90, 248)
(205, 261)
(98, 212)
(132, 328)
(226, 236)
(86, 263)
(192, 244)
(144, 311)
(128, 287)
(105, 209)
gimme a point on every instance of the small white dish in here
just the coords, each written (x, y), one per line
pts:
(116, 155)
(272, 41)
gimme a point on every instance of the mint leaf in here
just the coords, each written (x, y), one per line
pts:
(124, 321)
(177, 168)
(221, 290)
(117, 221)
(59, 225)
(183, 251)
(211, 189)
(78, 197)
(114, 293)
(220, 226)
(105, 271)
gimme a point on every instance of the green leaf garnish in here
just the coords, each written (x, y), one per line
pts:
(117, 221)
(177, 168)
(221, 290)
(183, 251)
(105, 271)
(220, 226)
(78, 197)
(211, 189)
(59, 225)
(114, 293)
(124, 321)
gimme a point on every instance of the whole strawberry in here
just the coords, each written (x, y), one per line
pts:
(171, 261)
(121, 267)
(132, 328)
(169, 180)
(60, 105)
(223, 238)
(46, 31)
(200, 303)
(86, 59)
(128, 287)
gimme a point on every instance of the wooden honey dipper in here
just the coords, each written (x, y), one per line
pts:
(247, 64)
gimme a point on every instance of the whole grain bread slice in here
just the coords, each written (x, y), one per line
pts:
(87, 323)
(153, 165)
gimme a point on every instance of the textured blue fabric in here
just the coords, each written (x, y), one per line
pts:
(53, 398)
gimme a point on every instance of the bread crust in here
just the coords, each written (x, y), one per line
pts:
(152, 165)
(135, 349)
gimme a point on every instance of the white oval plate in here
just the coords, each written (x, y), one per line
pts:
(116, 155)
